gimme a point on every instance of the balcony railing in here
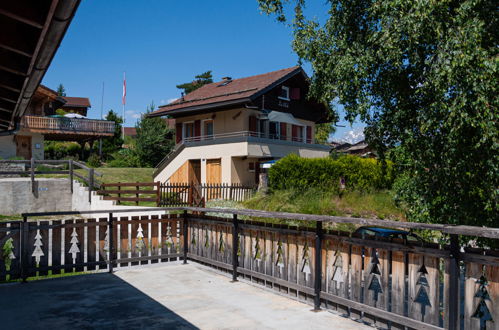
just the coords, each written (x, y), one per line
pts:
(268, 136)
(74, 125)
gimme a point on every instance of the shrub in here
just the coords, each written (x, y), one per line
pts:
(124, 158)
(294, 172)
(93, 160)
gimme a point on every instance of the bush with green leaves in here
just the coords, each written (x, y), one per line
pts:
(294, 172)
(124, 158)
(94, 160)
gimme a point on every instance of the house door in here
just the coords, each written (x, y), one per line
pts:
(23, 146)
(213, 177)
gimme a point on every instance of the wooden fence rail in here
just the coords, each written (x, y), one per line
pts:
(131, 192)
(388, 283)
(180, 194)
(29, 168)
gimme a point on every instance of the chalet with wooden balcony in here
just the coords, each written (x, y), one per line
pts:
(226, 130)
(41, 123)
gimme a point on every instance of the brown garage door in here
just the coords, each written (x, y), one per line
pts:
(214, 171)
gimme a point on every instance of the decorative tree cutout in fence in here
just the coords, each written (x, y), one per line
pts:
(257, 252)
(38, 252)
(221, 243)
(194, 234)
(8, 253)
(106, 240)
(169, 237)
(74, 249)
(375, 274)
(139, 244)
(482, 312)
(422, 293)
(305, 268)
(206, 237)
(338, 270)
(280, 256)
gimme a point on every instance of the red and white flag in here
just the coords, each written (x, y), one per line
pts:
(123, 99)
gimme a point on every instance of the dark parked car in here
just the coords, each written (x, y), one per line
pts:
(372, 232)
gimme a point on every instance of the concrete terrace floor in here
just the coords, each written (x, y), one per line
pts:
(161, 296)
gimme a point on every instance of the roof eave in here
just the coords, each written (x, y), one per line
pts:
(160, 113)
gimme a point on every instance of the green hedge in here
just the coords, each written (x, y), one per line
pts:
(294, 172)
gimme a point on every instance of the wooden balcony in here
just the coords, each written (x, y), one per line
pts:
(68, 128)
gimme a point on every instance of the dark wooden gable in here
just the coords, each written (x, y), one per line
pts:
(298, 105)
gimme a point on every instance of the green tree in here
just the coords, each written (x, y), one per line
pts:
(154, 139)
(113, 143)
(61, 91)
(200, 80)
(323, 131)
(424, 76)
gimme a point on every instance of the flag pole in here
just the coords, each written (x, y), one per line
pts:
(124, 101)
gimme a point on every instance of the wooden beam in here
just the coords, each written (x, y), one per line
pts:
(10, 88)
(14, 71)
(15, 50)
(20, 18)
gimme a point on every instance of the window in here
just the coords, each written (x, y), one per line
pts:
(208, 129)
(251, 167)
(261, 127)
(273, 130)
(188, 130)
(284, 93)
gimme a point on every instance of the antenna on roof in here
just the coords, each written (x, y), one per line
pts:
(182, 96)
(225, 81)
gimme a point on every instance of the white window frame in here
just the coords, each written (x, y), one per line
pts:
(184, 130)
(203, 122)
(287, 93)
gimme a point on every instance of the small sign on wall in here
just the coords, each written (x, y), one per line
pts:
(43, 189)
(38, 145)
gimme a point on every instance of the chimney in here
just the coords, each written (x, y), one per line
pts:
(182, 96)
(226, 78)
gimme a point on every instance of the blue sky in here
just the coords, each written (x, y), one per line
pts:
(163, 43)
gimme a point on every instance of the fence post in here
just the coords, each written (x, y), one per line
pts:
(318, 266)
(235, 247)
(186, 237)
(90, 184)
(70, 164)
(110, 236)
(24, 247)
(32, 170)
(158, 193)
(454, 283)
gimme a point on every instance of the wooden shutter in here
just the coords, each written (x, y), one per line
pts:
(294, 130)
(294, 94)
(197, 128)
(252, 123)
(309, 134)
(284, 128)
(178, 132)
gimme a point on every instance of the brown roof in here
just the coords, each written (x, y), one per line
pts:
(211, 95)
(130, 131)
(82, 102)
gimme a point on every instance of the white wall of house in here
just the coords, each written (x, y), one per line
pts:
(8, 145)
(231, 155)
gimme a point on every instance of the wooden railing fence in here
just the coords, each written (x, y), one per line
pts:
(69, 124)
(131, 192)
(28, 168)
(177, 194)
(388, 283)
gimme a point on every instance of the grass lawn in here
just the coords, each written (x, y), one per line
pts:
(125, 174)
(376, 204)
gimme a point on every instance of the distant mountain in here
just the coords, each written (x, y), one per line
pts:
(353, 136)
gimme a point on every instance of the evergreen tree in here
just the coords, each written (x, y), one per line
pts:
(113, 143)
(154, 139)
(200, 80)
(61, 91)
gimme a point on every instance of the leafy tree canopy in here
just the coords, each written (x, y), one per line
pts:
(61, 91)
(200, 80)
(113, 143)
(323, 131)
(154, 139)
(424, 76)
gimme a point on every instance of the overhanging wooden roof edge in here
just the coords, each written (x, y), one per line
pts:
(278, 82)
(199, 107)
(57, 23)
